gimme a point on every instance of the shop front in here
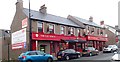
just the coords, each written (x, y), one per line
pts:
(52, 43)
(96, 41)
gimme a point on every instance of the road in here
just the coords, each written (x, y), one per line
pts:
(102, 57)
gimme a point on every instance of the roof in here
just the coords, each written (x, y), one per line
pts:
(84, 21)
(50, 18)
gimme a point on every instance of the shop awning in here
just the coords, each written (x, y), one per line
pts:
(77, 41)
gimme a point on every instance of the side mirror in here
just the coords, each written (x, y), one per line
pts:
(115, 52)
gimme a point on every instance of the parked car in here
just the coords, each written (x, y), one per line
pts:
(68, 54)
(90, 51)
(35, 56)
(110, 48)
(116, 56)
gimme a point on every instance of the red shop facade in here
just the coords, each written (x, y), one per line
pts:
(96, 41)
(52, 43)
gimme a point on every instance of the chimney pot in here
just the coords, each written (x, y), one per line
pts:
(91, 19)
(101, 22)
(43, 9)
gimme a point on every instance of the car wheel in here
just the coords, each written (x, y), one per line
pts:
(49, 60)
(79, 56)
(111, 51)
(67, 58)
(29, 61)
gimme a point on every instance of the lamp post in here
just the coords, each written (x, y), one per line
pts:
(30, 30)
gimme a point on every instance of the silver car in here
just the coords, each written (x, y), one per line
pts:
(110, 48)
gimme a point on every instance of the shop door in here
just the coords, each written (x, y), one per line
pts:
(42, 48)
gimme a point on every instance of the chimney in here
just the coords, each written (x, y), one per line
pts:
(43, 9)
(19, 5)
(91, 19)
(101, 22)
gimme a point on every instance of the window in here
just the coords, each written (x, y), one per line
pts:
(101, 32)
(78, 32)
(53, 47)
(32, 53)
(62, 30)
(98, 31)
(92, 30)
(84, 34)
(40, 53)
(50, 28)
(70, 31)
(40, 26)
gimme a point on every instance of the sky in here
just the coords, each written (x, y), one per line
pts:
(100, 10)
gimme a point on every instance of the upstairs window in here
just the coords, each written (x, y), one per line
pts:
(78, 32)
(101, 32)
(84, 32)
(98, 31)
(92, 30)
(50, 28)
(70, 31)
(40, 26)
(62, 30)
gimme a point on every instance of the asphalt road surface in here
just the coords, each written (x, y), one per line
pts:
(102, 57)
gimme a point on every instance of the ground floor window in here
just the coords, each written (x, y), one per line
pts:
(42, 48)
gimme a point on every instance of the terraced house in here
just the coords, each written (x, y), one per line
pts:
(94, 33)
(52, 33)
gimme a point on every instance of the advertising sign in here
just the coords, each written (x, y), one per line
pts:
(19, 39)
(24, 22)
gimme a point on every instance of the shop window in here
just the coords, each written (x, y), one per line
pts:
(42, 48)
(50, 28)
(62, 30)
(40, 26)
(53, 47)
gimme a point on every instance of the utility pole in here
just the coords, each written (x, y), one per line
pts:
(30, 30)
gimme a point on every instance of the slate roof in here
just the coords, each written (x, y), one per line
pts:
(84, 21)
(50, 18)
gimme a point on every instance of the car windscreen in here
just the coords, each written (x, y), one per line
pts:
(109, 46)
(91, 48)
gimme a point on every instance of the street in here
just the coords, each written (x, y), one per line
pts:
(102, 57)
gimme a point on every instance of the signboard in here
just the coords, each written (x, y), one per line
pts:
(24, 22)
(19, 39)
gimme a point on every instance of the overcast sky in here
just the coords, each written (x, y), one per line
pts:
(106, 10)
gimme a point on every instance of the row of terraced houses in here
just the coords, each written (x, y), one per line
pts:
(51, 33)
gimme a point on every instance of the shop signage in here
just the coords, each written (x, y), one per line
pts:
(24, 22)
(97, 38)
(19, 39)
(54, 37)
